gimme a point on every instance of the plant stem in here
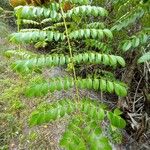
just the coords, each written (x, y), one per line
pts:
(18, 27)
(71, 55)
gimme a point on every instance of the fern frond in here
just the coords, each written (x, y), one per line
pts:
(53, 6)
(25, 21)
(60, 60)
(59, 109)
(35, 36)
(144, 58)
(91, 33)
(103, 85)
(128, 19)
(96, 25)
(66, 83)
(40, 62)
(87, 10)
(56, 84)
(32, 12)
(73, 131)
(84, 129)
(60, 24)
(124, 5)
(98, 45)
(52, 112)
(29, 30)
(115, 119)
(96, 58)
(92, 110)
(81, 131)
(47, 20)
(23, 54)
(56, 25)
(135, 41)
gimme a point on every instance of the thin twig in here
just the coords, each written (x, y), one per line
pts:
(134, 102)
(71, 54)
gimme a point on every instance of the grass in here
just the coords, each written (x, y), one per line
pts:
(15, 109)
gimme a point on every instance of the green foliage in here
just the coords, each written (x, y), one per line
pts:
(97, 25)
(128, 19)
(115, 119)
(136, 18)
(91, 33)
(31, 36)
(95, 42)
(98, 45)
(30, 12)
(135, 41)
(87, 10)
(85, 130)
(52, 112)
(39, 89)
(60, 60)
(144, 58)
(1, 10)
(20, 54)
(25, 21)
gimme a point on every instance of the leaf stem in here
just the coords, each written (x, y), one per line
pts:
(71, 54)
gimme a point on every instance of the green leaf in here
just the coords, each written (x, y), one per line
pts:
(108, 33)
(104, 144)
(144, 38)
(100, 114)
(117, 112)
(100, 34)
(121, 61)
(96, 84)
(105, 59)
(103, 85)
(113, 60)
(116, 120)
(135, 42)
(144, 58)
(89, 83)
(98, 58)
(126, 46)
(56, 36)
(94, 33)
(87, 33)
(120, 90)
(54, 111)
(110, 86)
